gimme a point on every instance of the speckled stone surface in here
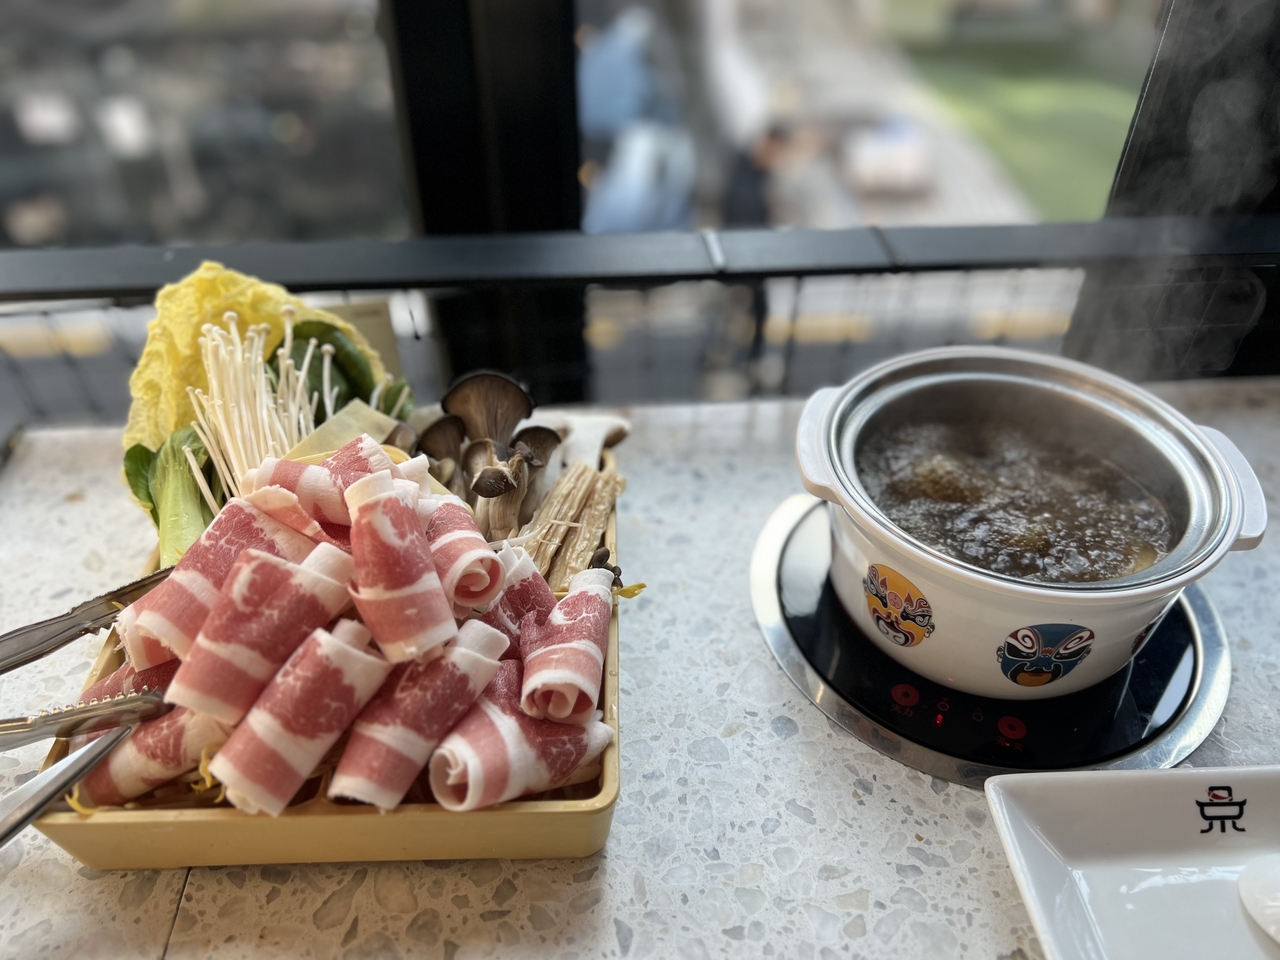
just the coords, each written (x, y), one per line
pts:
(747, 825)
(70, 533)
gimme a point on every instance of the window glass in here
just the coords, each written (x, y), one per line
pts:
(147, 121)
(836, 113)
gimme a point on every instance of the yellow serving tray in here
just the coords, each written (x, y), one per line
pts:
(319, 831)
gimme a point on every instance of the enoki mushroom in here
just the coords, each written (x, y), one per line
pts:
(244, 418)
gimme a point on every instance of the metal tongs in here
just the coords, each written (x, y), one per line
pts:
(121, 713)
(26, 644)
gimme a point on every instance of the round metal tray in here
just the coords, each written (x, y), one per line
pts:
(1180, 733)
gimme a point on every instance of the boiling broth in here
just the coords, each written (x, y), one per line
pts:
(1001, 499)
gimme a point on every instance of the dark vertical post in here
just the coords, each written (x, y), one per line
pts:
(525, 67)
(488, 105)
(433, 72)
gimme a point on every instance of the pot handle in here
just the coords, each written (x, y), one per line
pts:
(1254, 501)
(815, 472)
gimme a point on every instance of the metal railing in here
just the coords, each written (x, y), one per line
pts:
(668, 317)
(575, 258)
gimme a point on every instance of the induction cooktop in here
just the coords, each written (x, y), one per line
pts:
(1150, 714)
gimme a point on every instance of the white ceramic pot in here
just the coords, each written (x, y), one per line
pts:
(996, 635)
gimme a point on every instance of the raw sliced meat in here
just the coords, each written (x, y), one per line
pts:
(407, 490)
(164, 623)
(497, 752)
(397, 589)
(124, 681)
(320, 487)
(418, 469)
(155, 753)
(298, 717)
(128, 680)
(284, 505)
(147, 651)
(564, 657)
(359, 458)
(420, 702)
(266, 608)
(524, 592)
(470, 570)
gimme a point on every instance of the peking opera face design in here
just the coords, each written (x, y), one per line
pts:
(1040, 654)
(898, 609)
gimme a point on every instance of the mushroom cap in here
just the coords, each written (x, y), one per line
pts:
(558, 420)
(493, 481)
(490, 404)
(422, 417)
(540, 440)
(498, 477)
(442, 438)
(478, 456)
(402, 436)
(442, 470)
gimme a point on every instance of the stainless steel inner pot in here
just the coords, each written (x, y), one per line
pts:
(1079, 408)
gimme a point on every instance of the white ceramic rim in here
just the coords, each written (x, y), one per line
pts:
(882, 530)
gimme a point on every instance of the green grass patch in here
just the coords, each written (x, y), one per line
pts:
(1053, 115)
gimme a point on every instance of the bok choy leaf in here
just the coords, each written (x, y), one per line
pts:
(181, 511)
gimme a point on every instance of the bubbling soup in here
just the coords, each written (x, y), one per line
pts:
(1002, 499)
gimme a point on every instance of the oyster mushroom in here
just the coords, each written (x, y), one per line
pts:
(484, 472)
(488, 477)
(402, 436)
(441, 440)
(591, 433)
(490, 405)
(422, 417)
(444, 471)
(600, 561)
(440, 434)
(503, 511)
(557, 420)
(544, 462)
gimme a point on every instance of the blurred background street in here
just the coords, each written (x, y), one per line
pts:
(182, 121)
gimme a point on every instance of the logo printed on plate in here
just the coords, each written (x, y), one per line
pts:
(1040, 654)
(899, 610)
(1220, 809)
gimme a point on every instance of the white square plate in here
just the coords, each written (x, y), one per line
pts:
(1120, 864)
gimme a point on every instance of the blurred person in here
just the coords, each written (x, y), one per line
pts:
(746, 196)
(647, 184)
(746, 205)
(615, 82)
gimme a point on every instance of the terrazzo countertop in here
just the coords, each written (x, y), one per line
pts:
(747, 825)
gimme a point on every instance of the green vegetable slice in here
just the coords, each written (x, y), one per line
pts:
(137, 471)
(315, 376)
(181, 509)
(390, 397)
(348, 359)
